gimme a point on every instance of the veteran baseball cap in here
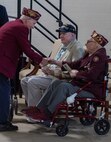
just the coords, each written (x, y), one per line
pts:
(100, 39)
(31, 13)
(66, 28)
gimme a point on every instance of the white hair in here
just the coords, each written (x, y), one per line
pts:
(24, 17)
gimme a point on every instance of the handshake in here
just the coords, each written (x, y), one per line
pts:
(46, 61)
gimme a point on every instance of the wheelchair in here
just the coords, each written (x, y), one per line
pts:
(88, 110)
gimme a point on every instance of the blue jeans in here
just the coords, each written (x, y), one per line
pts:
(5, 90)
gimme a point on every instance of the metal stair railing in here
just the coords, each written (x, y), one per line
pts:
(62, 14)
(59, 20)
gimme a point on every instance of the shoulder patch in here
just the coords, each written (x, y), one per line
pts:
(96, 59)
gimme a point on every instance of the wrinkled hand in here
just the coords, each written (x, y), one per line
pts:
(73, 73)
(44, 62)
(51, 61)
(56, 62)
(47, 70)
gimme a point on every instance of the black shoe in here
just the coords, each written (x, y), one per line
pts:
(8, 127)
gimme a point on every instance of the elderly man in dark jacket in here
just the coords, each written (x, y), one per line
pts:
(89, 68)
(13, 42)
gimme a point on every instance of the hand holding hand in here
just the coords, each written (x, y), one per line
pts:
(56, 62)
(47, 70)
(51, 61)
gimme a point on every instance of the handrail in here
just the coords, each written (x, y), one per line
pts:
(58, 19)
(60, 16)
(13, 17)
(47, 30)
(18, 8)
(38, 50)
(44, 34)
(44, 26)
(60, 13)
(46, 10)
(64, 16)
(30, 37)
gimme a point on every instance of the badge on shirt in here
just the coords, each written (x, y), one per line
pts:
(96, 59)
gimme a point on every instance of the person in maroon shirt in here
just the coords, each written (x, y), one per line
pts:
(13, 42)
(90, 68)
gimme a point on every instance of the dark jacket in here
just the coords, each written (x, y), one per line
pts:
(3, 15)
(91, 68)
(13, 42)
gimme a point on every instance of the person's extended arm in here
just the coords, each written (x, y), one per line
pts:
(52, 61)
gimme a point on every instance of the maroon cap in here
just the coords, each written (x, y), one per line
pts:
(31, 13)
(100, 39)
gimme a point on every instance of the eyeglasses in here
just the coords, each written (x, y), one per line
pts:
(89, 41)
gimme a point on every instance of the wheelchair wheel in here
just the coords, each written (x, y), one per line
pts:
(62, 130)
(102, 127)
(87, 121)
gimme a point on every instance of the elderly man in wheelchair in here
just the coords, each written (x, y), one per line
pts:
(86, 73)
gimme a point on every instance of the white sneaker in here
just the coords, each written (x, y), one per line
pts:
(71, 98)
(30, 120)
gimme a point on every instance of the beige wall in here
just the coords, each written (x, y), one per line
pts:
(88, 14)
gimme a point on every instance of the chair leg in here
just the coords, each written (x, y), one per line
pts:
(20, 92)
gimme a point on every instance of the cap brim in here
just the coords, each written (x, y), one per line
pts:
(61, 30)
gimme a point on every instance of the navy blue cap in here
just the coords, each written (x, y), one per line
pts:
(66, 28)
